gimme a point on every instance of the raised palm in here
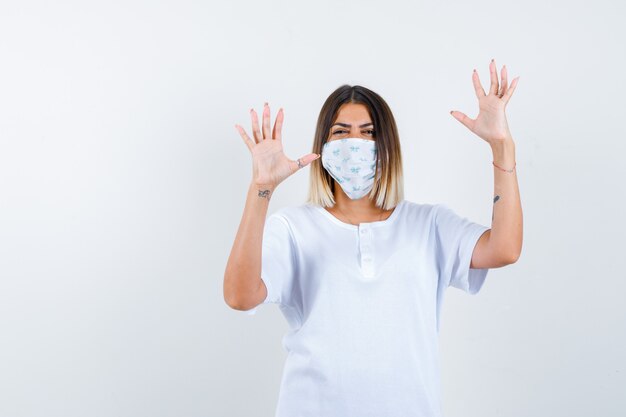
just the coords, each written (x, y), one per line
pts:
(490, 124)
(270, 165)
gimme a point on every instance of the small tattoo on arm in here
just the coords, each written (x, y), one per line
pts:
(496, 198)
(264, 194)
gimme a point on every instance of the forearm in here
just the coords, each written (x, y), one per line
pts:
(242, 276)
(506, 223)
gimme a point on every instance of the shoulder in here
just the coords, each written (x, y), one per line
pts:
(293, 218)
(446, 214)
(295, 213)
(419, 211)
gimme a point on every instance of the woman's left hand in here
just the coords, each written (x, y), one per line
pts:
(490, 124)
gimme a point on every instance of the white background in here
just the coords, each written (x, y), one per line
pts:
(123, 181)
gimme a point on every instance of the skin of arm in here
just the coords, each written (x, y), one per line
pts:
(502, 244)
(243, 287)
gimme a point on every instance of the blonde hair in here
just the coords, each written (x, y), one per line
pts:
(388, 188)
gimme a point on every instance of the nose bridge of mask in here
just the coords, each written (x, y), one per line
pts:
(351, 147)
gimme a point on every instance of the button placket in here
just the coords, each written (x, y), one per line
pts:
(366, 250)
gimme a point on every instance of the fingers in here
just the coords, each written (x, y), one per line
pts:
(255, 127)
(266, 122)
(493, 73)
(477, 87)
(278, 125)
(461, 117)
(510, 91)
(246, 139)
(256, 131)
(504, 81)
(305, 160)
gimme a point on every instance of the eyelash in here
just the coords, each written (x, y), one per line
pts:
(342, 130)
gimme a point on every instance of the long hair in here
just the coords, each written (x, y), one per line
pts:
(388, 188)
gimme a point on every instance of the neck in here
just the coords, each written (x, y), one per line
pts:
(360, 211)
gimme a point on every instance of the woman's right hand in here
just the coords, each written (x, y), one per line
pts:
(270, 166)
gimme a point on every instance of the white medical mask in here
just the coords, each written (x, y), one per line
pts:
(352, 163)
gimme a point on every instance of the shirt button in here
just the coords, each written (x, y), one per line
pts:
(363, 231)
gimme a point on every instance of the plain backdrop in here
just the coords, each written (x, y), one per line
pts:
(123, 182)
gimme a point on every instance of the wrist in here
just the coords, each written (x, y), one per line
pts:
(504, 153)
(262, 186)
(260, 191)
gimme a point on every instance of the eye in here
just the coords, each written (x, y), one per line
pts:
(339, 130)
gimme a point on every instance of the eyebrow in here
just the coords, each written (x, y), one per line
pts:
(348, 125)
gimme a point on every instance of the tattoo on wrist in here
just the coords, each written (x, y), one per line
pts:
(264, 194)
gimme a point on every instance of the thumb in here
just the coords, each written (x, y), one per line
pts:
(303, 161)
(461, 117)
(307, 159)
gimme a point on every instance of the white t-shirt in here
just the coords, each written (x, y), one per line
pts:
(362, 303)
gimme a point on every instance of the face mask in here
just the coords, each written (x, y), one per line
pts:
(352, 163)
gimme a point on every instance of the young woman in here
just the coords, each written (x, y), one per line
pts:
(358, 272)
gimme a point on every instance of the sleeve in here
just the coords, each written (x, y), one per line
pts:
(278, 261)
(456, 238)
